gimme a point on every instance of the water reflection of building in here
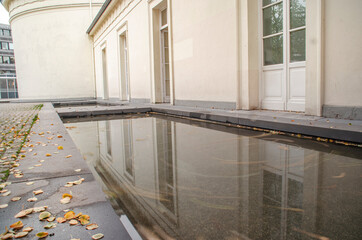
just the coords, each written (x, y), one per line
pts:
(200, 183)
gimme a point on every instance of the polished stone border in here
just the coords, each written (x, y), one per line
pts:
(323, 130)
(140, 100)
(206, 104)
(342, 112)
(315, 131)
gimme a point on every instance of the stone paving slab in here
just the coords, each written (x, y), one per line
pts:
(87, 199)
(295, 123)
(51, 176)
(46, 136)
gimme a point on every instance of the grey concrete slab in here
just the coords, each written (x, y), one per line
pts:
(88, 199)
(45, 140)
(51, 176)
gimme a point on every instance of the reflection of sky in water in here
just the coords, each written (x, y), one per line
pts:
(191, 180)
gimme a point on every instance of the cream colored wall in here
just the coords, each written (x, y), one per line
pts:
(52, 50)
(138, 50)
(343, 53)
(205, 50)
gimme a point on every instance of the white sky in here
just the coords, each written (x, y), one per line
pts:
(4, 16)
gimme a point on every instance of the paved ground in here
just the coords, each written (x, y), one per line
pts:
(324, 129)
(15, 122)
(47, 162)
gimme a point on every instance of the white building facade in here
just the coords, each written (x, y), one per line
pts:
(289, 55)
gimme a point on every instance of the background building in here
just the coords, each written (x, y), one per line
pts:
(53, 52)
(288, 55)
(8, 83)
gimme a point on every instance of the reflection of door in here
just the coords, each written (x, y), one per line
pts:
(128, 149)
(166, 168)
(165, 63)
(282, 181)
(283, 41)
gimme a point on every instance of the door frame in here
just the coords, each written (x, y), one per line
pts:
(285, 103)
(249, 60)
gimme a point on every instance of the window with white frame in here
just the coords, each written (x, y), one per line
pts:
(165, 63)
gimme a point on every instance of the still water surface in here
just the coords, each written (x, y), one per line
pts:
(181, 179)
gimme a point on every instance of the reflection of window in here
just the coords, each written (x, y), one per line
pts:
(109, 139)
(282, 188)
(11, 46)
(165, 63)
(128, 149)
(166, 167)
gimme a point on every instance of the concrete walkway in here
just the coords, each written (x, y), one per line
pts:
(44, 166)
(320, 128)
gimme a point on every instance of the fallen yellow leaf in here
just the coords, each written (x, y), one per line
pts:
(65, 200)
(28, 229)
(17, 225)
(7, 236)
(67, 195)
(21, 234)
(60, 148)
(37, 192)
(33, 199)
(48, 154)
(50, 225)
(6, 194)
(92, 226)
(73, 222)
(44, 215)
(42, 234)
(4, 206)
(68, 156)
(69, 215)
(61, 220)
(14, 199)
(23, 213)
(39, 209)
(97, 236)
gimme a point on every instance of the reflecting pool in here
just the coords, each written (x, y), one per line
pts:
(183, 179)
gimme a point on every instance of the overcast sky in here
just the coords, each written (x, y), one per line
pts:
(4, 16)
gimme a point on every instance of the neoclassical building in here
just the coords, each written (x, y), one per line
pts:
(289, 55)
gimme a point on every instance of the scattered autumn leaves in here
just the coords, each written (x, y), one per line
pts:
(17, 229)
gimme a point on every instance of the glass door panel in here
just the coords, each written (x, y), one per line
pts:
(273, 19)
(297, 13)
(297, 46)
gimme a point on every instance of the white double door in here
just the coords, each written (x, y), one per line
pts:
(283, 55)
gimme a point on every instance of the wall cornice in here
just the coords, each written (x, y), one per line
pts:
(19, 8)
(113, 11)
